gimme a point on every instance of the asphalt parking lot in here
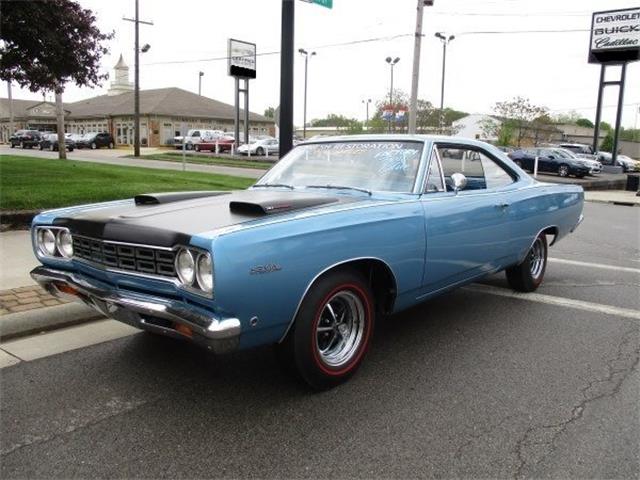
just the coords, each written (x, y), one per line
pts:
(477, 383)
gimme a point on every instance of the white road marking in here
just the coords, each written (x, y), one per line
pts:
(6, 360)
(553, 300)
(594, 265)
(65, 339)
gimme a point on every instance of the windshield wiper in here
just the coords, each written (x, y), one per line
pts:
(340, 187)
(273, 185)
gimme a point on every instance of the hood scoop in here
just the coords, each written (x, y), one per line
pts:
(271, 206)
(170, 197)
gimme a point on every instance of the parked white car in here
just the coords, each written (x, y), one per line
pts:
(260, 147)
(196, 136)
(628, 164)
(594, 165)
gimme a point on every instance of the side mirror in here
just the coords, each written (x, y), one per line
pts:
(459, 181)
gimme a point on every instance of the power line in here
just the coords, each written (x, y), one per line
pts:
(370, 40)
(505, 14)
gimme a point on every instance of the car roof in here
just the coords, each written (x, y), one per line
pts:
(404, 137)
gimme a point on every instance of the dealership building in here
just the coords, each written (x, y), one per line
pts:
(163, 112)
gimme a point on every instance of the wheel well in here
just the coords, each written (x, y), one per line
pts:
(380, 277)
(551, 231)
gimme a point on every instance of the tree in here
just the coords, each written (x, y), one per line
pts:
(522, 113)
(270, 112)
(48, 43)
(607, 143)
(567, 118)
(605, 126)
(584, 122)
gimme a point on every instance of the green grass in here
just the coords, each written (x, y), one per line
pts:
(208, 160)
(37, 183)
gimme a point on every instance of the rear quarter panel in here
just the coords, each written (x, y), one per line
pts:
(543, 205)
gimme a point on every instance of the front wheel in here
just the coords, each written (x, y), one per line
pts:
(93, 145)
(260, 151)
(527, 276)
(111, 145)
(563, 171)
(331, 332)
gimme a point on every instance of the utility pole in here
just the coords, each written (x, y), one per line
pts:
(392, 63)
(286, 76)
(413, 102)
(445, 41)
(200, 75)
(306, 68)
(10, 97)
(136, 92)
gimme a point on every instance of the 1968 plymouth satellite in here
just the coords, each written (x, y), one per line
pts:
(340, 231)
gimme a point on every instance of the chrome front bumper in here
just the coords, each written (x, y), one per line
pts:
(155, 314)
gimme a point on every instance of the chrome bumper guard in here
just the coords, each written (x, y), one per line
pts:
(158, 315)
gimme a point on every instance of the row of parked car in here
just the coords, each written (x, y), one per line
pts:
(49, 141)
(569, 159)
(208, 140)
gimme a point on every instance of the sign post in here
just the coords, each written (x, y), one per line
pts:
(615, 40)
(242, 65)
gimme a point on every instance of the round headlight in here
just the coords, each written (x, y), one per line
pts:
(185, 266)
(204, 272)
(47, 242)
(64, 242)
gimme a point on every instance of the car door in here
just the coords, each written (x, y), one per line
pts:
(468, 232)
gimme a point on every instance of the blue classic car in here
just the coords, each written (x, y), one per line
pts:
(339, 232)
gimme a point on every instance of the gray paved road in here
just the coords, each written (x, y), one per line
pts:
(115, 157)
(467, 385)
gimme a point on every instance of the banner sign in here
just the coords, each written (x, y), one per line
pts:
(387, 112)
(615, 36)
(242, 59)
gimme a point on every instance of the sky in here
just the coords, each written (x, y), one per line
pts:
(549, 68)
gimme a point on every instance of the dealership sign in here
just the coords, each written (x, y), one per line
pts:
(615, 36)
(242, 59)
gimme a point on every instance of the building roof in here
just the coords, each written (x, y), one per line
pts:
(162, 101)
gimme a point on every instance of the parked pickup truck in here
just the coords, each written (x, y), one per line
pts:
(225, 144)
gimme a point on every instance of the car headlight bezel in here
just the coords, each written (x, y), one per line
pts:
(47, 242)
(186, 277)
(202, 282)
(204, 272)
(64, 243)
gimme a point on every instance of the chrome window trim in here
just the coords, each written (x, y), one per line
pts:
(322, 272)
(434, 152)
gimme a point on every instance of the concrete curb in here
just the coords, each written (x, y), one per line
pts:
(43, 319)
(612, 202)
(17, 219)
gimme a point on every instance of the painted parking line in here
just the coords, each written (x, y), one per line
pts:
(594, 265)
(553, 300)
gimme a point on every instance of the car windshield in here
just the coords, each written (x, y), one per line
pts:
(371, 166)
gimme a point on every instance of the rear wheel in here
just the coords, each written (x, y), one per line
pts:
(331, 332)
(22, 145)
(41, 147)
(111, 145)
(51, 147)
(518, 163)
(563, 170)
(259, 151)
(197, 148)
(527, 276)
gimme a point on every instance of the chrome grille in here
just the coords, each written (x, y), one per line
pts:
(135, 258)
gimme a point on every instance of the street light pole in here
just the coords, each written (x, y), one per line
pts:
(445, 41)
(200, 75)
(367, 102)
(392, 63)
(306, 55)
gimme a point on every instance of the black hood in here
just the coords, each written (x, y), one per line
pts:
(167, 219)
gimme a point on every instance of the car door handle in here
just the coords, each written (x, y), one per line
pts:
(503, 206)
